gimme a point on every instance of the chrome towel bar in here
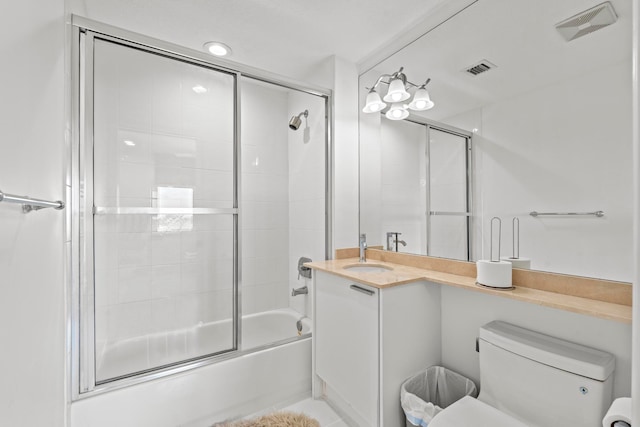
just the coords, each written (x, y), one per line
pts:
(29, 204)
(596, 213)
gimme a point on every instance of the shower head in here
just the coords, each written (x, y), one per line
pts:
(295, 121)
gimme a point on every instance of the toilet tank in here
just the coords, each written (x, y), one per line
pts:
(541, 380)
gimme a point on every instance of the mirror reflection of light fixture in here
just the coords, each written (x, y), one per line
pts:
(397, 112)
(397, 93)
(373, 103)
(421, 99)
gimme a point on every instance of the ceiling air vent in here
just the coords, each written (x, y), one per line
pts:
(480, 67)
(587, 22)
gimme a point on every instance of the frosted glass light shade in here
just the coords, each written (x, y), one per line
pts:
(421, 100)
(396, 92)
(397, 112)
(374, 103)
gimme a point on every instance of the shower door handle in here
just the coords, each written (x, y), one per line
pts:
(362, 290)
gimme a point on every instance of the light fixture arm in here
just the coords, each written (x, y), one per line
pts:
(397, 75)
(397, 93)
(425, 83)
(380, 80)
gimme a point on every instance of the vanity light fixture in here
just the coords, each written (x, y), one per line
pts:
(217, 48)
(396, 94)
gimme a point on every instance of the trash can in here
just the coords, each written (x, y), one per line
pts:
(429, 392)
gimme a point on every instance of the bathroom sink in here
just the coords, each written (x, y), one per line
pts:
(367, 268)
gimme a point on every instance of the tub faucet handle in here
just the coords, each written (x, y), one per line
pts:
(303, 270)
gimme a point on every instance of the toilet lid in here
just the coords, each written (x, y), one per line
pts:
(468, 412)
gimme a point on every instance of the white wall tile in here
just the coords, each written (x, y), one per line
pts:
(134, 249)
(165, 248)
(134, 284)
(129, 320)
(192, 277)
(165, 280)
(163, 318)
(134, 180)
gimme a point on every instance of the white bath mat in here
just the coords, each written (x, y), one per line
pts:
(277, 419)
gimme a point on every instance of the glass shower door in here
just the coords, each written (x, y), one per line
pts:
(161, 203)
(448, 197)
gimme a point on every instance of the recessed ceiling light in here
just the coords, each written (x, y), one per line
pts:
(217, 48)
(199, 89)
(129, 143)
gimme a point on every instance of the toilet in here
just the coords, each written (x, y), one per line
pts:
(528, 379)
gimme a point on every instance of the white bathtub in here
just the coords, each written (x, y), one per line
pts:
(138, 354)
(273, 368)
(271, 327)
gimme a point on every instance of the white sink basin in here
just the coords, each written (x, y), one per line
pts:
(367, 268)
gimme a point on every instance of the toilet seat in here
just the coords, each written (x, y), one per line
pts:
(472, 412)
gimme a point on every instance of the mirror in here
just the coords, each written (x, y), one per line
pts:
(549, 131)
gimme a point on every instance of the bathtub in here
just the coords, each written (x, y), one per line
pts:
(139, 354)
(273, 368)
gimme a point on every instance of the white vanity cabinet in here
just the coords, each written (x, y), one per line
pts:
(367, 341)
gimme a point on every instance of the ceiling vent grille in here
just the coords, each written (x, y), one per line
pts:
(587, 22)
(479, 68)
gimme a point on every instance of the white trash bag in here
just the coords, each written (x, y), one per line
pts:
(429, 392)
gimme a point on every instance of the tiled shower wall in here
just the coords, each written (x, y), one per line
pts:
(265, 192)
(158, 273)
(306, 192)
(160, 144)
(283, 194)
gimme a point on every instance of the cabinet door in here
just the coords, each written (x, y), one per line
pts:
(347, 342)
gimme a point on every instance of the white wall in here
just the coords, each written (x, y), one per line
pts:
(307, 147)
(561, 148)
(345, 187)
(463, 312)
(635, 392)
(370, 161)
(32, 149)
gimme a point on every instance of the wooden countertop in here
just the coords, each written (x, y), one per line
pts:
(400, 274)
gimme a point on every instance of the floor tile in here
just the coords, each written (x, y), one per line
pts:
(318, 409)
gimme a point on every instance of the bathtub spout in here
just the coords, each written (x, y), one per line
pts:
(300, 291)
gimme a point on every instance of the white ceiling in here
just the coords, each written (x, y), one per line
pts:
(519, 36)
(288, 37)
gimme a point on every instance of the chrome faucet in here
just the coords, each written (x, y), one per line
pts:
(299, 291)
(363, 247)
(392, 238)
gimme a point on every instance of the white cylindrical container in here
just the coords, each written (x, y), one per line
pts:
(619, 411)
(495, 274)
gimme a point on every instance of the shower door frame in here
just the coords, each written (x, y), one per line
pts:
(468, 136)
(79, 218)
